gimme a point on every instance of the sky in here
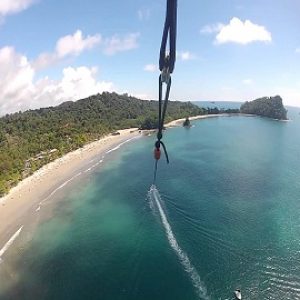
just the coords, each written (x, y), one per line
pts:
(235, 50)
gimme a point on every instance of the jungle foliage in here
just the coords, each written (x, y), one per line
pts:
(30, 139)
(270, 107)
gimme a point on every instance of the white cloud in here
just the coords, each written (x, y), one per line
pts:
(242, 33)
(185, 55)
(67, 46)
(247, 81)
(297, 50)
(144, 14)
(16, 75)
(76, 83)
(118, 44)
(45, 60)
(76, 43)
(151, 68)
(20, 91)
(8, 7)
(208, 29)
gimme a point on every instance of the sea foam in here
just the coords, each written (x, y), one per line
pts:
(9, 243)
(121, 144)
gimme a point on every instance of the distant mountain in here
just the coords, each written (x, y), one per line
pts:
(270, 107)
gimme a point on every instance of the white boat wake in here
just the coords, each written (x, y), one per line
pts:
(201, 290)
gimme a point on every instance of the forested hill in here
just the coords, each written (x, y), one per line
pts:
(31, 139)
(270, 107)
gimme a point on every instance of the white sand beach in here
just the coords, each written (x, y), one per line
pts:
(27, 196)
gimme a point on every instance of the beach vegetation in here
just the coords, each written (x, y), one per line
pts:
(270, 107)
(31, 139)
(27, 139)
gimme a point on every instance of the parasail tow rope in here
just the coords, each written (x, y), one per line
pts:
(166, 67)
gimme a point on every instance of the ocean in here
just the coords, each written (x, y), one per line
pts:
(224, 214)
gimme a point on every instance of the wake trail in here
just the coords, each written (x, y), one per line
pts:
(184, 259)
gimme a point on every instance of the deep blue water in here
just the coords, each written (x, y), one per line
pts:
(224, 215)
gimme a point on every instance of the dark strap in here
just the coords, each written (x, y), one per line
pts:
(170, 29)
(162, 107)
(167, 61)
(166, 66)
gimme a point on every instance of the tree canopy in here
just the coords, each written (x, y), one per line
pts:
(270, 107)
(30, 139)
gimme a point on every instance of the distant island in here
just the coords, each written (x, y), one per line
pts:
(270, 107)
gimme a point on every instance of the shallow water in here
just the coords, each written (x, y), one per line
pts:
(224, 215)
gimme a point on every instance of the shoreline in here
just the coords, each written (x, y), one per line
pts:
(28, 196)
(178, 122)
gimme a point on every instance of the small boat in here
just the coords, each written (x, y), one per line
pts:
(238, 294)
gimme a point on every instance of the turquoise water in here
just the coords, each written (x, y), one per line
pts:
(223, 215)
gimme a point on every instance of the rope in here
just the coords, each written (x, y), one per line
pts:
(166, 66)
(169, 30)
